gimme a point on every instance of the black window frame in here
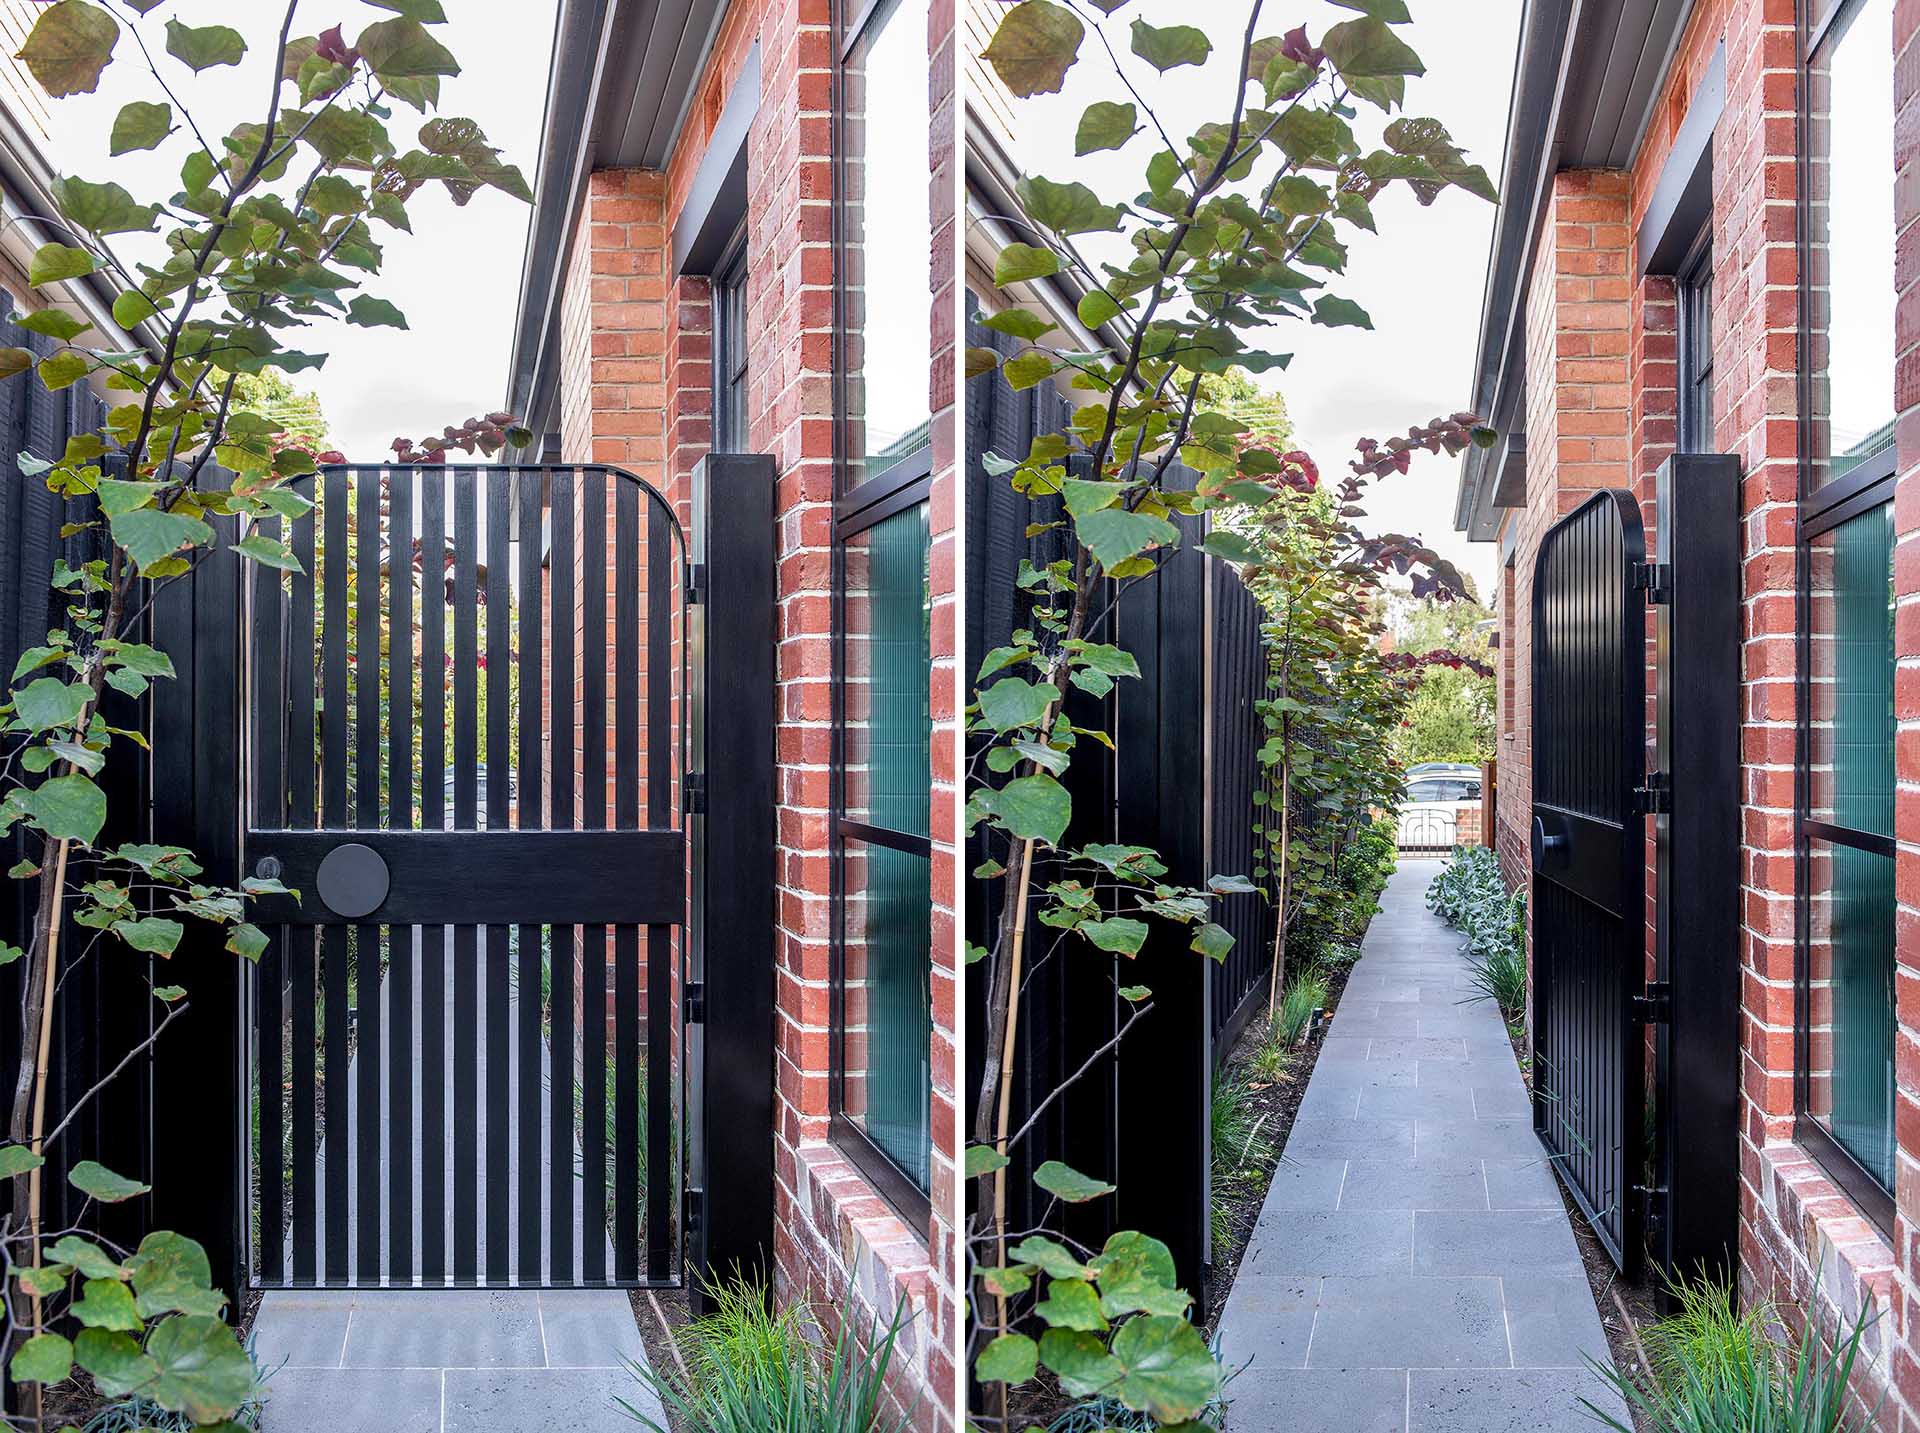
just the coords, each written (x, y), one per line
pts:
(728, 290)
(1693, 342)
(857, 507)
(1861, 489)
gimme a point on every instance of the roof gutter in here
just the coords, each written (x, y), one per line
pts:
(26, 182)
(582, 42)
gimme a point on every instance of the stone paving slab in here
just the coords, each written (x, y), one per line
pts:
(1412, 1269)
(449, 1361)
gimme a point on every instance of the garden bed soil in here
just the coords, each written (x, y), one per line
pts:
(1274, 1105)
(661, 1314)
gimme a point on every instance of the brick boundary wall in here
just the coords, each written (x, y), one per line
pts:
(1803, 1245)
(636, 390)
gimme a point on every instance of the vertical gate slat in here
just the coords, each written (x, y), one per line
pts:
(270, 788)
(403, 942)
(593, 974)
(301, 939)
(560, 1102)
(466, 1150)
(433, 949)
(528, 812)
(660, 772)
(333, 795)
(366, 816)
(499, 639)
(626, 816)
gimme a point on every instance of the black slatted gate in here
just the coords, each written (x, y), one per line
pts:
(1589, 860)
(468, 720)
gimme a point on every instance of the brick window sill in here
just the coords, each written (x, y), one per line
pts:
(1836, 1252)
(886, 1258)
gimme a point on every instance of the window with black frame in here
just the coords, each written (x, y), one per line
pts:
(882, 999)
(730, 347)
(1693, 293)
(1844, 1007)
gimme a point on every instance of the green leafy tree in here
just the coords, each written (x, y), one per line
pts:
(1229, 238)
(1450, 717)
(276, 225)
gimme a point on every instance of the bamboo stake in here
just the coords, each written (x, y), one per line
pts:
(1004, 1110)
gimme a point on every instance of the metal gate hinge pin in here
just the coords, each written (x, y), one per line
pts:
(693, 794)
(696, 583)
(696, 1002)
(1654, 579)
(1655, 796)
(1655, 1007)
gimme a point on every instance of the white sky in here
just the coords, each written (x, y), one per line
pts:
(1420, 279)
(456, 277)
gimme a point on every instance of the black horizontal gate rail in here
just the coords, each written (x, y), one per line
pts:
(1589, 723)
(469, 1057)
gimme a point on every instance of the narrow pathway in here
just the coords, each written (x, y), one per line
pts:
(450, 1361)
(1413, 1269)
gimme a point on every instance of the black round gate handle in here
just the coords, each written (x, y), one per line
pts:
(352, 880)
(1546, 844)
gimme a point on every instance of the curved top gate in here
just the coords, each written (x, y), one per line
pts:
(468, 720)
(1589, 862)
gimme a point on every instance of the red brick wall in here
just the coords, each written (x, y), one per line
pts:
(1802, 1244)
(635, 390)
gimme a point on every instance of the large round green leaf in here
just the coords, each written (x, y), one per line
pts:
(1010, 1358)
(67, 808)
(1169, 1371)
(107, 1304)
(204, 1372)
(44, 1358)
(115, 1360)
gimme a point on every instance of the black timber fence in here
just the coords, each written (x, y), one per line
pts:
(99, 1013)
(1180, 779)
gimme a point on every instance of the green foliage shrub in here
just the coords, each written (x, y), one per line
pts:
(1470, 896)
(751, 1368)
(1713, 1369)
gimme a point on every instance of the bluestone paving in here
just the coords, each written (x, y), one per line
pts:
(448, 1361)
(1441, 1291)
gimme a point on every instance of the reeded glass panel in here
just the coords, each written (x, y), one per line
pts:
(887, 1082)
(887, 674)
(1851, 230)
(888, 233)
(1850, 676)
(1850, 1001)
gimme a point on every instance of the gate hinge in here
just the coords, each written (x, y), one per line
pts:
(696, 1002)
(1654, 579)
(693, 793)
(1655, 797)
(694, 1216)
(1653, 1205)
(1655, 1007)
(696, 583)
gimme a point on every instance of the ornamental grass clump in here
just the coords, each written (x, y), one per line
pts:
(748, 1367)
(1713, 1369)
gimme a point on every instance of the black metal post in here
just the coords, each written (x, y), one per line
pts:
(200, 1185)
(1697, 860)
(731, 834)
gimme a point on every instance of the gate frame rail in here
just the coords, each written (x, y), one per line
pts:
(202, 1170)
